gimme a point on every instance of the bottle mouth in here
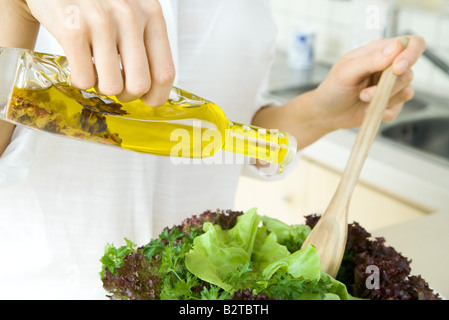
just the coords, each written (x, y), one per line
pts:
(291, 150)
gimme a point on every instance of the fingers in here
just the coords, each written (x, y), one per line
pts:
(107, 62)
(402, 82)
(366, 61)
(392, 112)
(401, 93)
(402, 96)
(397, 102)
(79, 56)
(370, 47)
(76, 42)
(145, 55)
(122, 49)
(136, 70)
(378, 55)
(410, 55)
(159, 59)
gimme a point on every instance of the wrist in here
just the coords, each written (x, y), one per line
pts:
(318, 113)
(311, 122)
(299, 117)
(6, 131)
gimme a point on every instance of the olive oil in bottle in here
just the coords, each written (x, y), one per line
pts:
(185, 126)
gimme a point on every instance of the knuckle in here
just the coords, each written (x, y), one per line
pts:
(152, 8)
(83, 83)
(103, 22)
(67, 37)
(100, 16)
(406, 78)
(164, 76)
(152, 101)
(392, 112)
(410, 76)
(409, 93)
(110, 88)
(125, 9)
(78, 33)
(139, 87)
(390, 116)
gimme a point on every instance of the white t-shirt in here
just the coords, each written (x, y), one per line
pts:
(62, 200)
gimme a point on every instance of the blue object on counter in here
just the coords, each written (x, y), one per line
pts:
(301, 50)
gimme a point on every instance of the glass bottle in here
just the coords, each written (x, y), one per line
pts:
(35, 92)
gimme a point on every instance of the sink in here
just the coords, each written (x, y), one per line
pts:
(289, 93)
(429, 135)
(422, 127)
(416, 104)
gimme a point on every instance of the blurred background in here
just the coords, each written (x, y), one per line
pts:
(340, 25)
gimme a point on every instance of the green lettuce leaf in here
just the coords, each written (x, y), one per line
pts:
(218, 253)
(267, 249)
(292, 236)
(336, 288)
(113, 257)
(300, 264)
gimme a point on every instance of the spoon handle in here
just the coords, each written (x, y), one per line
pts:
(330, 233)
(367, 133)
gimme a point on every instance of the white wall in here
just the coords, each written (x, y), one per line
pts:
(334, 22)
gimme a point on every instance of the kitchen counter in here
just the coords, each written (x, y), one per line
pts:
(404, 175)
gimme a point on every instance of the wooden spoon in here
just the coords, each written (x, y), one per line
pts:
(330, 233)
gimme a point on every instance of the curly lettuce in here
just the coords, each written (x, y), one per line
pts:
(243, 256)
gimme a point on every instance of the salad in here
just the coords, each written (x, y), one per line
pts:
(234, 255)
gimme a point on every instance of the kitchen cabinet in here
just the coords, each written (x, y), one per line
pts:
(309, 188)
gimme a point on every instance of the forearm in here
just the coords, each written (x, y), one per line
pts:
(19, 30)
(6, 130)
(297, 118)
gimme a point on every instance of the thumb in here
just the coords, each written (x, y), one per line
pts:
(360, 66)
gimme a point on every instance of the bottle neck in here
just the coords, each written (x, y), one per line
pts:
(270, 145)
